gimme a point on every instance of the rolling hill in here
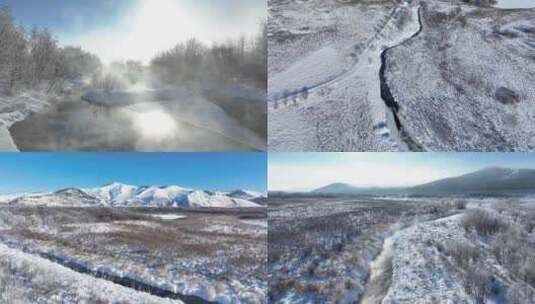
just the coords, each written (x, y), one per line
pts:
(488, 181)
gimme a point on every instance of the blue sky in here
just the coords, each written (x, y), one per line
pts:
(22, 172)
(138, 29)
(304, 171)
(63, 16)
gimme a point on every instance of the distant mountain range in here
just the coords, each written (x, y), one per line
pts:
(121, 195)
(489, 181)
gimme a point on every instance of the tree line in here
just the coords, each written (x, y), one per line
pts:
(235, 59)
(33, 59)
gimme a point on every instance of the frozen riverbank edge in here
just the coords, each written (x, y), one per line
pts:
(17, 108)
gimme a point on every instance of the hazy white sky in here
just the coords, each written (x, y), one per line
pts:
(306, 171)
(147, 27)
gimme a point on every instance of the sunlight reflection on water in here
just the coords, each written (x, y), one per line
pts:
(155, 124)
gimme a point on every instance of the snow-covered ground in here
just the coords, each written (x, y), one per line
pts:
(24, 276)
(420, 275)
(466, 82)
(462, 83)
(323, 250)
(17, 108)
(406, 251)
(481, 255)
(213, 255)
(343, 110)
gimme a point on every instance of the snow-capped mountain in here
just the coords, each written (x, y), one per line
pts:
(247, 195)
(121, 195)
(255, 197)
(69, 197)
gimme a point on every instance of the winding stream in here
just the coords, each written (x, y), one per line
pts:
(128, 282)
(380, 275)
(389, 100)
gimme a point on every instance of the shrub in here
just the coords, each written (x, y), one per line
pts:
(528, 270)
(518, 294)
(477, 283)
(483, 222)
(460, 204)
(109, 82)
(464, 255)
(506, 96)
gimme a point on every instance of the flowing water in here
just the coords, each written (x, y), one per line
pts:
(76, 125)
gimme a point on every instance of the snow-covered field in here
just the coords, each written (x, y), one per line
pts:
(420, 275)
(343, 109)
(210, 254)
(466, 82)
(433, 250)
(323, 250)
(456, 76)
(483, 255)
(26, 278)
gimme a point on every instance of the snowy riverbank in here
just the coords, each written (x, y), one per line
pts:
(17, 108)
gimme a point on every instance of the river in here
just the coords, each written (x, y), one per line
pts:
(72, 124)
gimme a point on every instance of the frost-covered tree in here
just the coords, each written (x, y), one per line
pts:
(80, 63)
(34, 60)
(12, 52)
(232, 60)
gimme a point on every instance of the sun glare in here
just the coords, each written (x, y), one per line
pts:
(157, 26)
(155, 125)
(148, 27)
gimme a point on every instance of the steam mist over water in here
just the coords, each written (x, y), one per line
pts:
(142, 28)
(81, 126)
(172, 93)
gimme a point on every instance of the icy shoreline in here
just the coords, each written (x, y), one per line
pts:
(17, 108)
